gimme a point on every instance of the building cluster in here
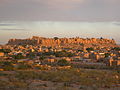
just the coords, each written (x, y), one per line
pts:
(42, 55)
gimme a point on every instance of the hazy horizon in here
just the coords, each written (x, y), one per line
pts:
(59, 29)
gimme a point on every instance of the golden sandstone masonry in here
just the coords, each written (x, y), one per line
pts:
(35, 40)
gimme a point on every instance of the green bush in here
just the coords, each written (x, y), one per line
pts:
(90, 78)
(26, 75)
(64, 54)
(90, 49)
(5, 50)
(18, 56)
(7, 66)
(63, 62)
(24, 66)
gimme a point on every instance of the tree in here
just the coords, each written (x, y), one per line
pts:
(42, 58)
(90, 49)
(56, 38)
(64, 54)
(116, 48)
(101, 37)
(18, 56)
(5, 50)
(107, 54)
(31, 55)
(62, 62)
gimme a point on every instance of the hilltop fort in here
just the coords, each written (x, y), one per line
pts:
(35, 40)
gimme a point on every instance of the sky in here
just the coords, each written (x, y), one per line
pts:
(62, 18)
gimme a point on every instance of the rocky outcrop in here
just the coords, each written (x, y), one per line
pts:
(35, 40)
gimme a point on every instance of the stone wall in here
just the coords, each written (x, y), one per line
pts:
(61, 41)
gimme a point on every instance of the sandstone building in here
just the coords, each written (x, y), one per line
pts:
(35, 40)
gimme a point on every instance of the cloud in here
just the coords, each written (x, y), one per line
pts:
(116, 23)
(66, 4)
(59, 4)
(60, 10)
(58, 1)
(13, 26)
(3, 2)
(7, 24)
(14, 29)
